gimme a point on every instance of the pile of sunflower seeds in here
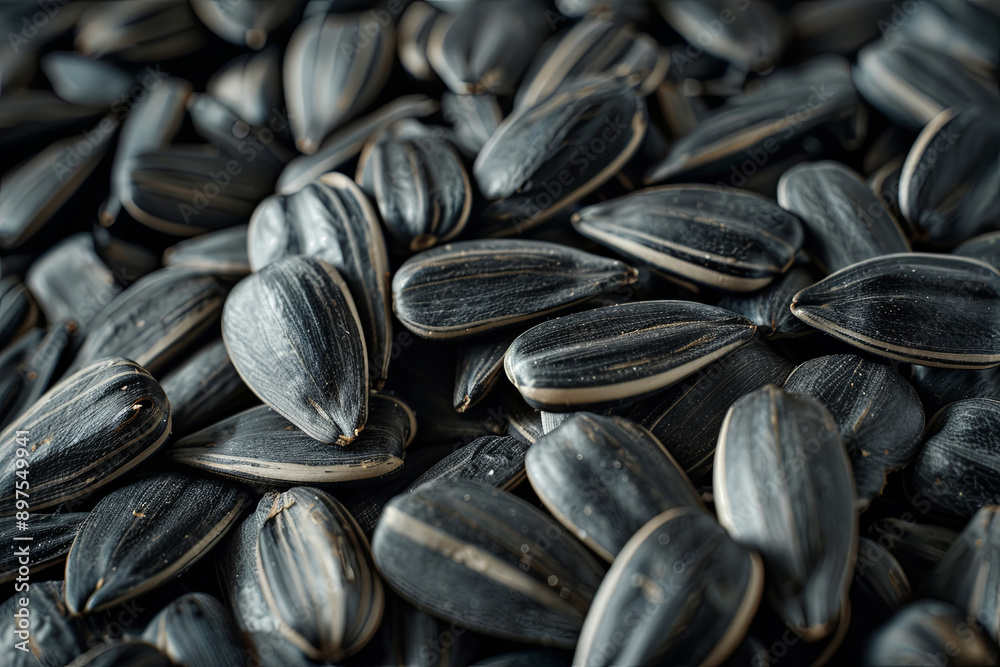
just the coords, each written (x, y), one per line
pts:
(510, 333)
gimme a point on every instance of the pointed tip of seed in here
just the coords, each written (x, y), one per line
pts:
(464, 404)
(255, 38)
(307, 146)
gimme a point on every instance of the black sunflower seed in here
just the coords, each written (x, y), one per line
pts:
(938, 387)
(474, 119)
(86, 431)
(917, 547)
(478, 368)
(877, 412)
(53, 641)
(617, 353)
(604, 478)
(237, 569)
(470, 287)
(248, 23)
(488, 560)
(196, 628)
(931, 310)
(222, 253)
(18, 308)
(86, 81)
(140, 31)
(141, 535)
(844, 221)
(236, 138)
(681, 591)
(35, 371)
(985, 248)
(415, 27)
(13, 372)
(727, 239)
(259, 445)
(250, 85)
(496, 461)
(121, 652)
(880, 584)
(50, 538)
(293, 334)
(769, 308)
(782, 486)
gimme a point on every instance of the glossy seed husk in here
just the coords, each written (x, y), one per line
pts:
(54, 640)
(243, 23)
(879, 579)
(236, 565)
(35, 371)
(782, 486)
(951, 176)
(86, 431)
(496, 461)
(19, 310)
(687, 416)
(222, 253)
(478, 367)
(154, 320)
(604, 478)
(457, 551)
(474, 119)
(956, 468)
(681, 592)
(878, 414)
(317, 575)
(929, 310)
(332, 219)
(616, 353)
(470, 287)
(250, 85)
(141, 535)
(916, 547)
(938, 387)
(769, 307)
(50, 536)
(196, 628)
(985, 247)
(844, 220)
(728, 239)
(259, 445)
(293, 334)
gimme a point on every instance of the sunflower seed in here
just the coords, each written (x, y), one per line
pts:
(884, 182)
(139, 31)
(879, 579)
(13, 372)
(487, 560)
(118, 653)
(36, 370)
(469, 287)
(154, 320)
(474, 119)
(86, 81)
(837, 26)
(877, 412)
(545, 157)
(486, 47)
(203, 388)
(955, 471)
(687, 417)
(874, 305)
(317, 575)
(959, 29)
(196, 628)
(329, 78)
(917, 547)
(54, 638)
(782, 486)
(425, 641)
(250, 85)
(50, 535)
(568, 362)
(331, 219)
(496, 461)
(598, 44)
(985, 248)
(768, 308)
(18, 309)
(344, 144)
(911, 84)
(951, 176)
(259, 445)
(681, 591)
(36, 189)
(844, 221)
(236, 138)
(418, 181)
(248, 23)
(143, 534)
(222, 253)
(30, 117)
(415, 27)
(924, 632)
(524, 422)
(730, 240)
(298, 315)
(236, 565)
(86, 431)
(603, 478)
(478, 369)
(71, 283)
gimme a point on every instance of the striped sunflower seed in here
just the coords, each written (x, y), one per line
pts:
(478, 368)
(496, 461)
(293, 334)
(140, 31)
(13, 375)
(782, 486)
(34, 371)
(880, 584)
(955, 471)
(86, 81)
(938, 387)
(925, 630)
(918, 548)
(34, 191)
(844, 221)
(30, 117)
(154, 320)
(469, 287)
(50, 535)
(769, 307)
(52, 642)
(222, 253)
(687, 416)
(617, 353)
(243, 23)
(345, 144)
(236, 566)
(87, 430)
(985, 248)
(547, 156)
(18, 308)
(598, 44)
(141, 535)
(604, 478)
(415, 27)
(878, 414)
(259, 445)
(331, 219)
(951, 176)
(681, 592)
(474, 119)
(930, 310)
(316, 572)
(884, 182)
(418, 181)
(524, 422)
(196, 628)
(911, 83)
(488, 560)
(250, 85)
(727, 239)
(236, 138)
(329, 78)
